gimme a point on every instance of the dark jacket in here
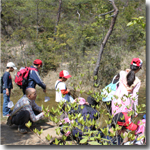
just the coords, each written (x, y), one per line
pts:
(7, 81)
(34, 78)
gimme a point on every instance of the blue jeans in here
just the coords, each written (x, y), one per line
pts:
(6, 100)
(68, 98)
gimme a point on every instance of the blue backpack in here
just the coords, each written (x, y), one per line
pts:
(109, 90)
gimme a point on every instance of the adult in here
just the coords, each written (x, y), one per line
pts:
(34, 77)
(26, 110)
(62, 92)
(126, 98)
(7, 86)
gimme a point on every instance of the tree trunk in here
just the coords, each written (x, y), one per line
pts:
(58, 17)
(114, 17)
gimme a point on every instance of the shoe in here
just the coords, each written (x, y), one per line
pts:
(23, 131)
(6, 115)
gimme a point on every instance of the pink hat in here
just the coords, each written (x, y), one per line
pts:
(64, 74)
(136, 62)
(81, 100)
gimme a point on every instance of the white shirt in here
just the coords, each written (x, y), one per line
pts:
(60, 86)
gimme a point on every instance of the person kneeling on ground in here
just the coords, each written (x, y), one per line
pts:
(124, 121)
(26, 110)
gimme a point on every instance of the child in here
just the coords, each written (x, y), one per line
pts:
(7, 86)
(62, 93)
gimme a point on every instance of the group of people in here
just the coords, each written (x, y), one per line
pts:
(26, 109)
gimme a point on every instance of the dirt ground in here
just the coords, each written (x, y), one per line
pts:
(11, 136)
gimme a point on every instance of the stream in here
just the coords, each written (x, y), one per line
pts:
(17, 94)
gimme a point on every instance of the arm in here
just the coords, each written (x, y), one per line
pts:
(38, 79)
(135, 95)
(34, 117)
(36, 107)
(5, 80)
(64, 92)
(63, 89)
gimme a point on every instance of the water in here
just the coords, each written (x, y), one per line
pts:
(17, 94)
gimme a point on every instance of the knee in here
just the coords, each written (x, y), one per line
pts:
(26, 114)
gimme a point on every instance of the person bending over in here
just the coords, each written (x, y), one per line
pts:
(26, 110)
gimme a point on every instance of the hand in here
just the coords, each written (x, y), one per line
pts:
(135, 116)
(68, 90)
(7, 92)
(86, 103)
(44, 90)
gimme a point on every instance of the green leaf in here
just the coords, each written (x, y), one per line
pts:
(77, 135)
(84, 141)
(40, 132)
(28, 124)
(48, 137)
(94, 143)
(92, 138)
(64, 137)
(143, 105)
(56, 141)
(57, 131)
(35, 130)
(130, 24)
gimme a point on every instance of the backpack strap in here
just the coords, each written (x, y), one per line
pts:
(29, 69)
(35, 69)
(9, 120)
(57, 84)
(18, 109)
(114, 79)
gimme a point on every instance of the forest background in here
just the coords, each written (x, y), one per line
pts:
(67, 34)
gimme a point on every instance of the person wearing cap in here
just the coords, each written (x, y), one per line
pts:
(34, 77)
(124, 121)
(129, 85)
(7, 86)
(62, 92)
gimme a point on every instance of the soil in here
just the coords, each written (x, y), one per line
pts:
(11, 136)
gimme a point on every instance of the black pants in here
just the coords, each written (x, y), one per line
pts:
(22, 118)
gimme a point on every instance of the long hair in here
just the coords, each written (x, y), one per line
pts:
(131, 75)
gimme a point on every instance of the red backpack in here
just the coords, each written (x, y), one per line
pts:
(21, 79)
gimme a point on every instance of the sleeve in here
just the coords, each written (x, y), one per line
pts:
(135, 95)
(36, 107)
(34, 117)
(64, 92)
(6, 80)
(38, 79)
(62, 86)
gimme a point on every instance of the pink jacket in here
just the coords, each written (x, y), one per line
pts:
(124, 104)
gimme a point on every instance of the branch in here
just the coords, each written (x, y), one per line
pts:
(79, 15)
(106, 13)
(58, 17)
(116, 11)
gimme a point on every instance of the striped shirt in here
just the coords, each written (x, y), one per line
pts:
(28, 105)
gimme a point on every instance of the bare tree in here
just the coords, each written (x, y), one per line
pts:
(58, 16)
(114, 17)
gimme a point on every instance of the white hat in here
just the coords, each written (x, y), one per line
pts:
(11, 64)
